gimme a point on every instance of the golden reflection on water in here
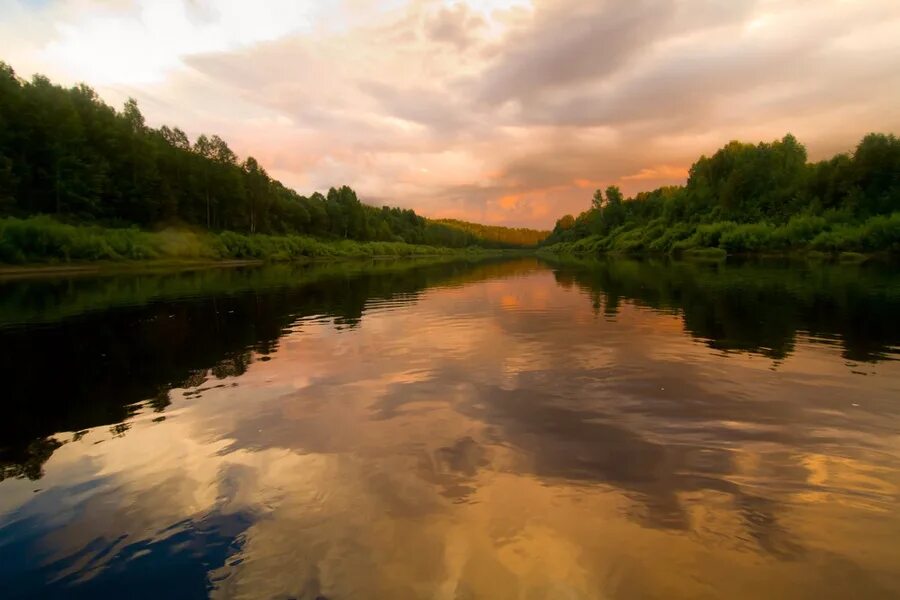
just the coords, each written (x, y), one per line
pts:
(504, 439)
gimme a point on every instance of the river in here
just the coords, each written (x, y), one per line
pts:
(453, 429)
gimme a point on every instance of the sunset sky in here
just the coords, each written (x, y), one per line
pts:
(500, 111)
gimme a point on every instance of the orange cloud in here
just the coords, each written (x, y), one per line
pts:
(657, 173)
(509, 202)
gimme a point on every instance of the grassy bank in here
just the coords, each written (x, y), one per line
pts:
(812, 235)
(43, 241)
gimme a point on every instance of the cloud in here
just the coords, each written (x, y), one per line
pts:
(657, 173)
(458, 26)
(453, 108)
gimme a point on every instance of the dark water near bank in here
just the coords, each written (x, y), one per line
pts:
(496, 429)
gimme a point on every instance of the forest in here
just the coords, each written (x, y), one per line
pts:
(69, 159)
(750, 198)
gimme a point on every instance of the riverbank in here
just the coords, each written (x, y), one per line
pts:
(719, 254)
(41, 245)
(807, 237)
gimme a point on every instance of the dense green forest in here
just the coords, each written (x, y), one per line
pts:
(749, 198)
(65, 153)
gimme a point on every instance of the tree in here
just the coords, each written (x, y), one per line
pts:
(220, 152)
(257, 184)
(613, 195)
(132, 115)
(566, 222)
(175, 137)
(876, 173)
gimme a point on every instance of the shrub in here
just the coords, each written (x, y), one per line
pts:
(669, 237)
(629, 241)
(798, 232)
(879, 233)
(707, 235)
(41, 238)
(882, 233)
(839, 238)
(749, 237)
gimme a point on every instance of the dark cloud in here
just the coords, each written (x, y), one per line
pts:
(575, 43)
(568, 47)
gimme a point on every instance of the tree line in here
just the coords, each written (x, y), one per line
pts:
(514, 236)
(747, 198)
(65, 152)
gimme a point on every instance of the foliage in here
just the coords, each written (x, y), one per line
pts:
(66, 153)
(514, 237)
(41, 239)
(753, 198)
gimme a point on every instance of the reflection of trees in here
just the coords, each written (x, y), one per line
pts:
(755, 307)
(160, 401)
(233, 366)
(119, 429)
(92, 356)
(195, 379)
(36, 454)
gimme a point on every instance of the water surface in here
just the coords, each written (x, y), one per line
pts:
(446, 429)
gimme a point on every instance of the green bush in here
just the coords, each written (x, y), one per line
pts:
(882, 233)
(42, 239)
(798, 232)
(706, 236)
(879, 233)
(631, 241)
(669, 237)
(749, 237)
(824, 234)
(835, 240)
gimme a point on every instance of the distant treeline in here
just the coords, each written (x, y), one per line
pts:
(64, 152)
(516, 236)
(753, 198)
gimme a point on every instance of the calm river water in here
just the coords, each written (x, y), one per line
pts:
(453, 430)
